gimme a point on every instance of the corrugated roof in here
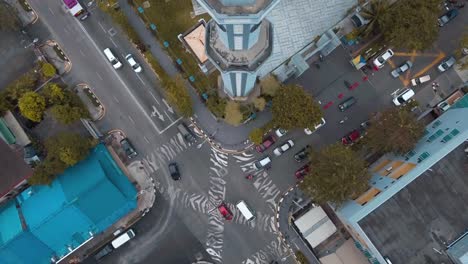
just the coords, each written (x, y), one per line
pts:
(13, 169)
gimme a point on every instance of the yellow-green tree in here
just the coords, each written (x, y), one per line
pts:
(48, 70)
(32, 106)
(259, 103)
(178, 95)
(233, 115)
(256, 135)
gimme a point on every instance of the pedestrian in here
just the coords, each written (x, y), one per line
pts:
(434, 89)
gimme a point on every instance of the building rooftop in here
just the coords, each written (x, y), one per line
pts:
(242, 60)
(416, 224)
(238, 7)
(13, 168)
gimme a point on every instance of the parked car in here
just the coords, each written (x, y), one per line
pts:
(351, 137)
(135, 66)
(302, 172)
(128, 148)
(106, 250)
(404, 67)
(280, 132)
(403, 97)
(302, 154)
(186, 132)
(358, 20)
(225, 211)
(380, 60)
(419, 80)
(446, 64)
(174, 171)
(347, 103)
(447, 17)
(267, 142)
(283, 148)
(319, 125)
(264, 163)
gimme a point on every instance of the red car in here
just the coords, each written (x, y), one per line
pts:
(302, 172)
(352, 137)
(268, 142)
(225, 211)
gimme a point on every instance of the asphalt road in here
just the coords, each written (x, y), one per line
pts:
(208, 177)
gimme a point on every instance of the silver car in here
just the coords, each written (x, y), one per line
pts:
(446, 64)
(400, 70)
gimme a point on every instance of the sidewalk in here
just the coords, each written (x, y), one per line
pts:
(227, 136)
(55, 55)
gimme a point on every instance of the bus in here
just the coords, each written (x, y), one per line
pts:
(76, 9)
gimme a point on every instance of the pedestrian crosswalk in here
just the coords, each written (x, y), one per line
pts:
(275, 250)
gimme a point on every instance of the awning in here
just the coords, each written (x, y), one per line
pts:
(359, 62)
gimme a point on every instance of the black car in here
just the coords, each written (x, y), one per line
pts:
(174, 171)
(302, 154)
(347, 103)
(128, 148)
(103, 252)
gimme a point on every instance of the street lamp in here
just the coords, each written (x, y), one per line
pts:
(32, 43)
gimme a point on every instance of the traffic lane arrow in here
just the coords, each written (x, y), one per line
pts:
(157, 113)
(168, 106)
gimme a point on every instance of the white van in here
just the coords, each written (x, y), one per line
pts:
(113, 60)
(122, 239)
(245, 210)
(419, 80)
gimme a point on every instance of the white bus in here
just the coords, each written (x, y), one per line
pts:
(245, 210)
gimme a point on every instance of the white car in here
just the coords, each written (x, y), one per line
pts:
(135, 66)
(400, 70)
(280, 132)
(403, 97)
(380, 60)
(446, 64)
(319, 125)
(283, 148)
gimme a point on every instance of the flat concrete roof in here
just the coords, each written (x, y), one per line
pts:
(416, 224)
(235, 7)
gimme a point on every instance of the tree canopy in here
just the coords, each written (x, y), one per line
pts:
(8, 19)
(233, 114)
(374, 12)
(411, 24)
(394, 130)
(178, 95)
(53, 93)
(256, 135)
(337, 174)
(32, 106)
(294, 108)
(48, 70)
(270, 85)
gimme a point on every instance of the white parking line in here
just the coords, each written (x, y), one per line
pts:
(100, 77)
(51, 11)
(113, 42)
(137, 103)
(131, 119)
(102, 27)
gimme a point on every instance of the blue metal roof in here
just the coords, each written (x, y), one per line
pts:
(88, 197)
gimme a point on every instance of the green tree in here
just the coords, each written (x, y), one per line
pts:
(41, 175)
(270, 85)
(48, 70)
(67, 114)
(293, 108)
(374, 12)
(32, 106)
(301, 258)
(8, 18)
(69, 148)
(20, 86)
(395, 130)
(404, 27)
(233, 114)
(53, 93)
(338, 174)
(256, 135)
(5, 105)
(178, 95)
(217, 105)
(259, 103)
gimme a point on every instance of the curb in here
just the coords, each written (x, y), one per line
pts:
(217, 144)
(36, 17)
(68, 63)
(278, 206)
(101, 105)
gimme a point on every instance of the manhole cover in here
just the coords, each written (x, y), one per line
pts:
(112, 32)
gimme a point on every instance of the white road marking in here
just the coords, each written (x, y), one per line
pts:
(154, 97)
(82, 53)
(137, 103)
(100, 77)
(156, 113)
(168, 106)
(51, 11)
(102, 27)
(162, 131)
(115, 98)
(141, 80)
(115, 45)
(172, 120)
(146, 139)
(131, 119)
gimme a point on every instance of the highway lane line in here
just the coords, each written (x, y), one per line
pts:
(141, 80)
(102, 27)
(137, 103)
(100, 77)
(113, 42)
(146, 139)
(172, 120)
(115, 98)
(51, 11)
(131, 119)
(173, 123)
(154, 97)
